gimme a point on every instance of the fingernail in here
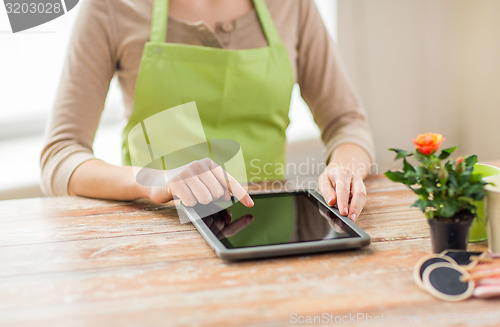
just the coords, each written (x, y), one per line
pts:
(346, 211)
(353, 217)
(329, 201)
(249, 202)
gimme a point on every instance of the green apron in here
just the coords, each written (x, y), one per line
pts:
(241, 95)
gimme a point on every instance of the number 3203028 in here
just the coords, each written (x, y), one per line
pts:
(33, 8)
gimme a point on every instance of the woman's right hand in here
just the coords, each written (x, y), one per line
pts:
(201, 181)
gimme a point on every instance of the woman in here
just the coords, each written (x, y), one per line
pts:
(247, 53)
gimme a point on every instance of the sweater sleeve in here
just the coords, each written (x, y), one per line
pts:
(324, 86)
(88, 69)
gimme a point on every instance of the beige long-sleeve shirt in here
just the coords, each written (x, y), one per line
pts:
(108, 39)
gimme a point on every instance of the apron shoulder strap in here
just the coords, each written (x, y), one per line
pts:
(159, 21)
(267, 22)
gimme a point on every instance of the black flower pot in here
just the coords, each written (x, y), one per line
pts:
(449, 234)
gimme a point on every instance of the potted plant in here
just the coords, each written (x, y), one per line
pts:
(446, 189)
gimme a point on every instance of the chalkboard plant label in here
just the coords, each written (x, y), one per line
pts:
(446, 189)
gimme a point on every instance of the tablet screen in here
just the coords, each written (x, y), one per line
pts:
(275, 219)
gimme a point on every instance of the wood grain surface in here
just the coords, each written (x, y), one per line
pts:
(71, 261)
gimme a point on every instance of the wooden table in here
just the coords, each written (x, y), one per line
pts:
(72, 261)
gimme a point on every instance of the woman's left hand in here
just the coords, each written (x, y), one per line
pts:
(343, 187)
(341, 183)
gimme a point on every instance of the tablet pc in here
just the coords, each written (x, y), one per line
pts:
(284, 223)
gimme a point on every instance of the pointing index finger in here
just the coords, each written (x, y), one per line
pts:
(231, 184)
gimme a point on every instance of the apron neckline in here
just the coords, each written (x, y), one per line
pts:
(236, 20)
(159, 22)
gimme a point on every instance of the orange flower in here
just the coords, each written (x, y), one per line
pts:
(428, 143)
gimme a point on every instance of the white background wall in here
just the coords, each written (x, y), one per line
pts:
(426, 65)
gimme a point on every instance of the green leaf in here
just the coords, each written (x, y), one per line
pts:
(421, 204)
(421, 171)
(447, 211)
(401, 153)
(465, 199)
(395, 176)
(446, 152)
(475, 191)
(447, 208)
(421, 192)
(471, 160)
(452, 179)
(407, 166)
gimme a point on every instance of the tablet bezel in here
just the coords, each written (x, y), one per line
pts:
(273, 250)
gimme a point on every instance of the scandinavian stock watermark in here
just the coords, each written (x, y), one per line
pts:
(302, 175)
